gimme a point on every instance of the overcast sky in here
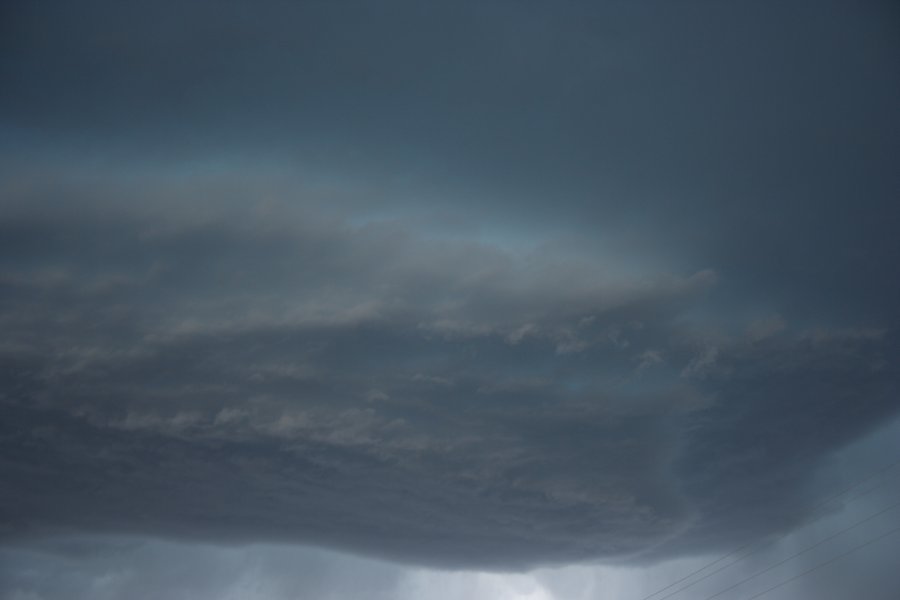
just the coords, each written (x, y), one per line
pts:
(488, 300)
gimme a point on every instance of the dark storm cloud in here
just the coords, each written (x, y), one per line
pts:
(262, 375)
(757, 138)
(243, 297)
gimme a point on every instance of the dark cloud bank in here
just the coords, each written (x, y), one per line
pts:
(435, 401)
(189, 353)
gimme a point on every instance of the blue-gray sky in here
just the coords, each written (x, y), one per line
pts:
(504, 300)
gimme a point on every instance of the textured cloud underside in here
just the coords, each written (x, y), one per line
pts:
(258, 376)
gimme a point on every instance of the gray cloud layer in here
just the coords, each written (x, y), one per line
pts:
(462, 285)
(760, 137)
(260, 375)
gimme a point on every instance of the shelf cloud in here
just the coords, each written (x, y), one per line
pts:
(479, 286)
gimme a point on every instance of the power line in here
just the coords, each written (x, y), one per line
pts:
(703, 568)
(863, 493)
(803, 551)
(826, 563)
(754, 546)
(853, 486)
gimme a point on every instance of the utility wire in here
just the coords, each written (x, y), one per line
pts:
(803, 551)
(868, 491)
(826, 563)
(701, 569)
(754, 546)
